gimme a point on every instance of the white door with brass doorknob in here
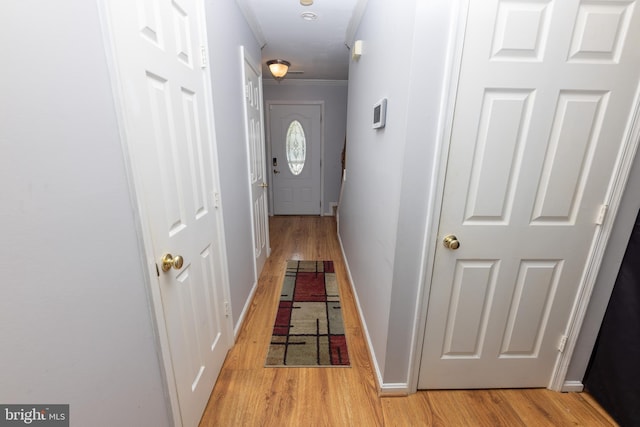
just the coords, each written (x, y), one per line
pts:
(544, 105)
(254, 137)
(166, 106)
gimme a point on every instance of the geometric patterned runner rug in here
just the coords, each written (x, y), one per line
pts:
(308, 329)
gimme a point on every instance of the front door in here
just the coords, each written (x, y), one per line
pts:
(295, 158)
(544, 98)
(166, 108)
(254, 134)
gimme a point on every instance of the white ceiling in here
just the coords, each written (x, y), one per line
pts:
(316, 49)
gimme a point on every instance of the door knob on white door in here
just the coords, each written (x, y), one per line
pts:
(169, 261)
(451, 242)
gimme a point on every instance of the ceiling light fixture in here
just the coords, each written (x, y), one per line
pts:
(278, 68)
(309, 16)
(306, 2)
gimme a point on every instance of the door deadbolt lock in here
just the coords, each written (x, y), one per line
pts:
(451, 242)
(169, 261)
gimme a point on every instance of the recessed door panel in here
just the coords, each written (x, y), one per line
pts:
(196, 152)
(150, 22)
(522, 29)
(182, 31)
(473, 285)
(600, 31)
(532, 298)
(504, 123)
(161, 110)
(574, 134)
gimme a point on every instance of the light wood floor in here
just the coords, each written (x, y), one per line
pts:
(248, 394)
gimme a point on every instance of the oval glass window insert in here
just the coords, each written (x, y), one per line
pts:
(296, 147)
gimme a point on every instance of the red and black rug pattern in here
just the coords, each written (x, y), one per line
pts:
(308, 329)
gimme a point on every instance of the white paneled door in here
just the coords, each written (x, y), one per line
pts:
(543, 103)
(254, 134)
(295, 133)
(166, 109)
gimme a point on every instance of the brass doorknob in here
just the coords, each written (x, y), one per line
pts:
(169, 261)
(451, 242)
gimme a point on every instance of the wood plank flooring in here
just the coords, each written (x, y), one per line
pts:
(248, 394)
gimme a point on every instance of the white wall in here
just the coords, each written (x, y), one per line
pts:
(428, 96)
(334, 95)
(385, 205)
(75, 322)
(227, 30)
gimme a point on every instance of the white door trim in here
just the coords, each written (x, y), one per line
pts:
(601, 237)
(245, 57)
(268, 151)
(143, 234)
(600, 240)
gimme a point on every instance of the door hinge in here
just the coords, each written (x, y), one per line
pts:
(203, 56)
(562, 343)
(602, 214)
(215, 199)
(227, 309)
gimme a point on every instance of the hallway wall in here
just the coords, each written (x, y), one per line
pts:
(227, 30)
(75, 320)
(388, 191)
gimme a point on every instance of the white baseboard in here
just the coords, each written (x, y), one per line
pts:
(394, 390)
(332, 209)
(245, 309)
(573, 386)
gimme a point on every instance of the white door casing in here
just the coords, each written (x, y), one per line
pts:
(254, 135)
(296, 194)
(166, 111)
(542, 113)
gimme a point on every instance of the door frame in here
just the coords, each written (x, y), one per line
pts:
(245, 57)
(268, 104)
(613, 198)
(148, 262)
